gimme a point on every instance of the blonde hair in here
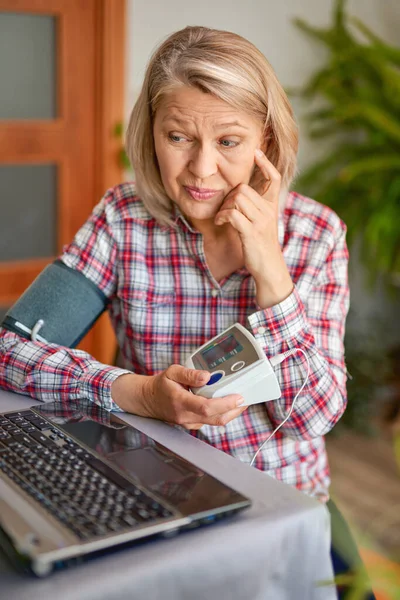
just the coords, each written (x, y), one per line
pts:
(230, 68)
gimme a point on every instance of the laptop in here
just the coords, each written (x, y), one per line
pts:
(76, 481)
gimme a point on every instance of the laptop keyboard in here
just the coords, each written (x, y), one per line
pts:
(78, 489)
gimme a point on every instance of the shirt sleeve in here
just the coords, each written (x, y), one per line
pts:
(315, 325)
(51, 372)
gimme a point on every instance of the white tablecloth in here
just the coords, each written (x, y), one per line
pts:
(278, 549)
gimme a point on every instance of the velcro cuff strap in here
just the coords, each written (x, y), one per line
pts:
(60, 307)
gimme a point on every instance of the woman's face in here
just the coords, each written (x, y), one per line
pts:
(205, 148)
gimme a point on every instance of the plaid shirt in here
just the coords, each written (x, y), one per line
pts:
(164, 303)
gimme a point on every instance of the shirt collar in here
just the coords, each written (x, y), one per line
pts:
(180, 220)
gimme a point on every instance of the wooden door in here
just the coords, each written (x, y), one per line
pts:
(61, 95)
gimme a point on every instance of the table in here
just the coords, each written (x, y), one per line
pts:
(278, 549)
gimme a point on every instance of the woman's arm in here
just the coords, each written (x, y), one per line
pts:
(50, 372)
(316, 325)
(47, 371)
(286, 320)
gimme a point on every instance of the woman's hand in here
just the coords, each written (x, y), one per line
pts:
(254, 214)
(165, 396)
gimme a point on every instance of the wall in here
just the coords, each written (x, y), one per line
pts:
(268, 24)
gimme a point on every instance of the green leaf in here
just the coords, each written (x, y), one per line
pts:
(389, 52)
(329, 164)
(321, 35)
(372, 163)
(118, 130)
(373, 116)
(123, 159)
(339, 16)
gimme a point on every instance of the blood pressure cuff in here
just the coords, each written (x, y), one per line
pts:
(60, 307)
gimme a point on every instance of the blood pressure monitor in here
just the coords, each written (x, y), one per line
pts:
(238, 365)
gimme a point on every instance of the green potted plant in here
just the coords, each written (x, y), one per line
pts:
(357, 94)
(353, 101)
(359, 88)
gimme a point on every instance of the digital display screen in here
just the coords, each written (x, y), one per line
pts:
(221, 351)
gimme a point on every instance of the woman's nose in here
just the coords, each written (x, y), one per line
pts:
(203, 162)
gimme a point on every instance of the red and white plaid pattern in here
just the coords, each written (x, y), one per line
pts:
(164, 303)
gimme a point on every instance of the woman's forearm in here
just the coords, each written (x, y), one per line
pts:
(50, 372)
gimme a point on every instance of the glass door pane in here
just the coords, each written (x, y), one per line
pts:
(27, 66)
(28, 201)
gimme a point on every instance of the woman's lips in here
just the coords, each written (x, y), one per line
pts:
(200, 193)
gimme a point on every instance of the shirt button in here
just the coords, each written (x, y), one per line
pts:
(214, 292)
(221, 430)
(261, 330)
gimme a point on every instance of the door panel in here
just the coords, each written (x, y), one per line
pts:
(55, 129)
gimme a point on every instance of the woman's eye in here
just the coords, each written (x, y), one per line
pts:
(176, 138)
(229, 143)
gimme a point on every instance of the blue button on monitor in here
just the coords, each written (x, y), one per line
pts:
(214, 378)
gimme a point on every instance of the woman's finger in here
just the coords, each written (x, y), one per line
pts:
(242, 199)
(186, 376)
(227, 417)
(256, 198)
(202, 409)
(219, 420)
(237, 219)
(270, 173)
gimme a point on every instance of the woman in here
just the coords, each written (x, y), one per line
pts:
(208, 236)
